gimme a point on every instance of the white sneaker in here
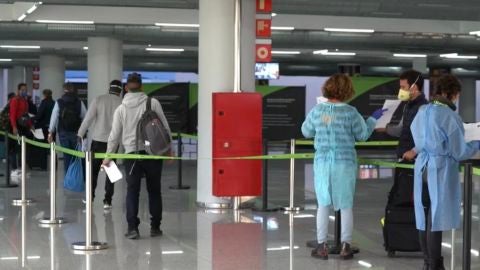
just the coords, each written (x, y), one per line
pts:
(16, 174)
(107, 206)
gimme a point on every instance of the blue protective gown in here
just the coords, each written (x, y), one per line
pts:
(335, 129)
(439, 141)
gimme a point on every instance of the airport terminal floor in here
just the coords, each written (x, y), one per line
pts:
(195, 238)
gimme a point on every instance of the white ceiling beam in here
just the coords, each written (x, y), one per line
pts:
(149, 16)
(115, 15)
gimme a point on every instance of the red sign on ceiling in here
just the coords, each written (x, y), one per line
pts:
(263, 28)
(264, 6)
(263, 53)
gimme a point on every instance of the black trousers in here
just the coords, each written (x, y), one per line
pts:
(430, 242)
(134, 171)
(14, 149)
(100, 147)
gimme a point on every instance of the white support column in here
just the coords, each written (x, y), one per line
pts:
(216, 74)
(105, 63)
(52, 74)
(468, 100)
(16, 75)
(3, 87)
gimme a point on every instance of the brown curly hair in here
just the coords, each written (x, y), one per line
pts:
(339, 87)
(448, 85)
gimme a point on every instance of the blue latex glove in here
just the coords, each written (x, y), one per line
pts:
(378, 113)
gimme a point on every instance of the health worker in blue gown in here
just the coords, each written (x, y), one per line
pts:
(439, 145)
(335, 127)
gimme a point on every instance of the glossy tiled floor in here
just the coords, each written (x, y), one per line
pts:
(195, 238)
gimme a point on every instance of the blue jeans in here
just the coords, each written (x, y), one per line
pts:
(67, 140)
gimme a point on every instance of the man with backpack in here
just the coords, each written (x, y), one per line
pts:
(99, 118)
(20, 124)
(140, 125)
(67, 116)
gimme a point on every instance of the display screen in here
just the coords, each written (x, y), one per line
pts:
(267, 71)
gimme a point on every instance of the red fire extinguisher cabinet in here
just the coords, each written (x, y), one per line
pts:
(237, 132)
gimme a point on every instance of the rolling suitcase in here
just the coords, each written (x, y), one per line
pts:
(37, 158)
(399, 228)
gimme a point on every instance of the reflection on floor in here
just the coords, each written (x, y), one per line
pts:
(200, 239)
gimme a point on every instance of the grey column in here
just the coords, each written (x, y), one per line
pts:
(105, 63)
(52, 74)
(216, 74)
(467, 100)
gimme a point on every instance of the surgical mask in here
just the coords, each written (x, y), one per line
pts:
(24, 94)
(405, 95)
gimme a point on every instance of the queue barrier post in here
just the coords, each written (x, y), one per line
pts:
(179, 185)
(291, 207)
(23, 200)
(467, 216)
(8, 183)
(88, 245)
(53, 219)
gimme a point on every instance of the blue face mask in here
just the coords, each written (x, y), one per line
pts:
(24, 94)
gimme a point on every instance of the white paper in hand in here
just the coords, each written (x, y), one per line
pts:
(38, 134)
(472, 132)
(114, 174)
(391, 106)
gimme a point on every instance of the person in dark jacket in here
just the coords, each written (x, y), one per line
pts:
(67, 116)
(42, 119)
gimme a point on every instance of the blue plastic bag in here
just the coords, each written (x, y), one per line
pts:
(74, 177)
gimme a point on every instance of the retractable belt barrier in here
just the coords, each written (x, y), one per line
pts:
(467, 169)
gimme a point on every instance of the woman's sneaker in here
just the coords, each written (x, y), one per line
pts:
(346, 253)
(321, 251)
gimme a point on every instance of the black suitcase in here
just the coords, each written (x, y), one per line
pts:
(401, 194)
(399, 230)
(37, 158)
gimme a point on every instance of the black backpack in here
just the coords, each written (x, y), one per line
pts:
(69, 115)
(5, 118)
(152, 133)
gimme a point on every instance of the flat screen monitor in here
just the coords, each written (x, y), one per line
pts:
(267, 71)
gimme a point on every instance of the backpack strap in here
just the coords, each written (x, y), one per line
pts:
(149, 104)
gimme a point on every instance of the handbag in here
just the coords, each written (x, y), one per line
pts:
(74, 178)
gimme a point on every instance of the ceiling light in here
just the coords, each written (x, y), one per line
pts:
(304, 216)
(410, 55)
(326, 52)
(274, 14)
(172, 252)
(5, 60)
(65, 22)
(22, 17)
(456, 56)
(165, 49)
(19, 47)
(349, 30)
(85, 48)
(283, 28)
(188, 25)
(286, 52)
(475, 33)
(34, 7)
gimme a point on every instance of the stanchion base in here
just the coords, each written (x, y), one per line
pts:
(19, 202)
(292, 209)
(56, 221)
(214, 205)
(82, 246)
(266, 209)
(8, 186)
(179, 187)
